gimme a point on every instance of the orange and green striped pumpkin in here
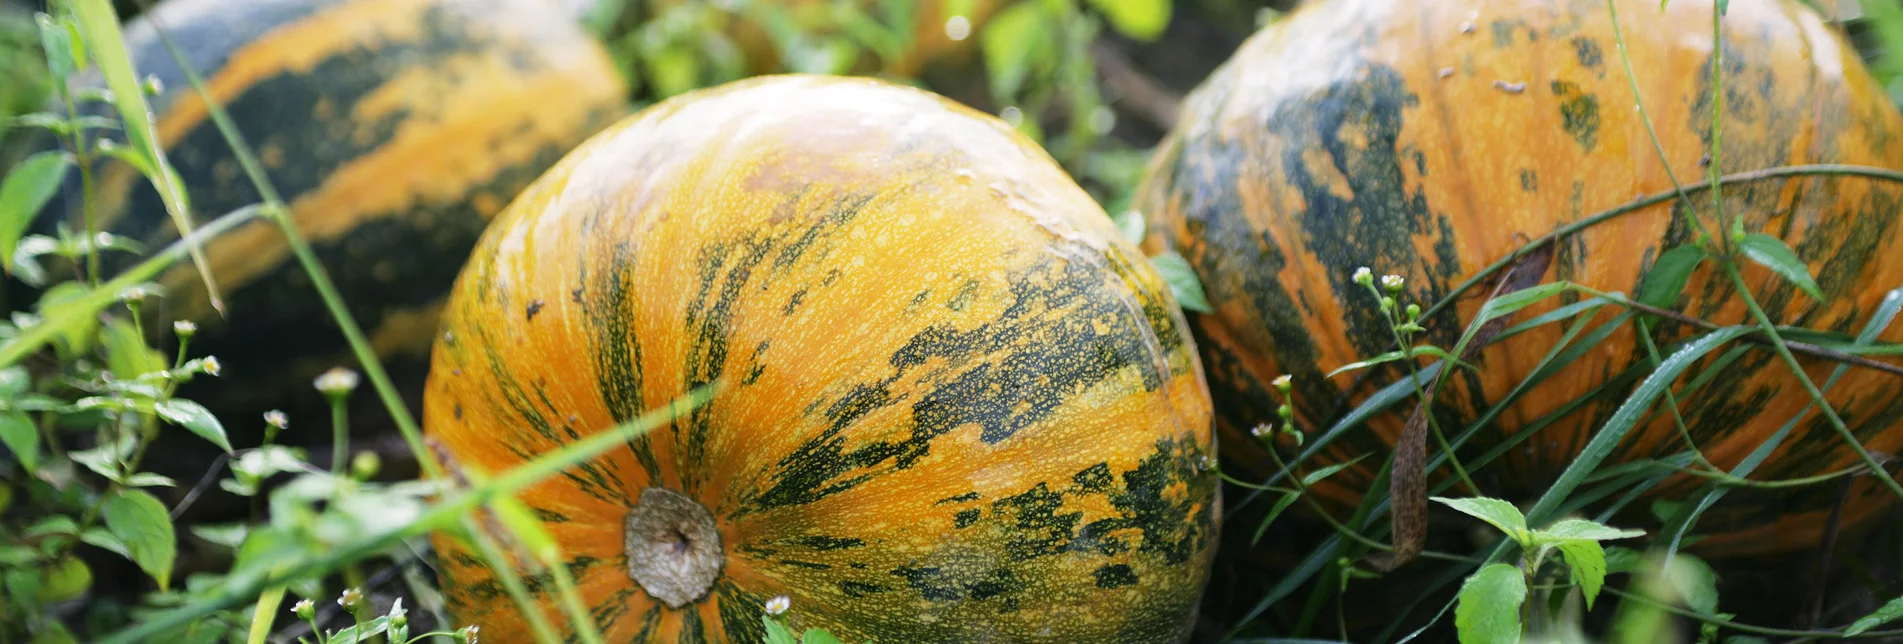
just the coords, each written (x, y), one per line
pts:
(950, 402)
(1431, 138)
(394, 130)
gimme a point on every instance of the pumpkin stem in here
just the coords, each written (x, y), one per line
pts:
(673, 547)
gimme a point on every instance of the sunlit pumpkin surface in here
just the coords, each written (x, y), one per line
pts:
(1431, 138)
(953, 404)
(394, 130)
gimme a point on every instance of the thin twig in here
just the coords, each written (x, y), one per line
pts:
(1134, 89)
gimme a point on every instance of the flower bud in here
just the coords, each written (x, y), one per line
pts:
(304, 610)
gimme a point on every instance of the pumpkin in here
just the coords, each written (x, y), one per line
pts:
(949, 404)
(394, 129)
(1431, 138)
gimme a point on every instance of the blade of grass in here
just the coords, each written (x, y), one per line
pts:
(100, 22)
(1626, 417)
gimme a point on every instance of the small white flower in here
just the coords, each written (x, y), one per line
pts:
(468, 634)
(277, 419)
(350, 599)
(1364, 276)
(211, 365)
(778, 604)
(1281, 382)
(337, 381)
(1262, 430)
(1392, 282)
(304, 609)
(184, 328)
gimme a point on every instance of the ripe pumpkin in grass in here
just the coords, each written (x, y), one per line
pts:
(952, 404)
(1431, 138)
(394, 129)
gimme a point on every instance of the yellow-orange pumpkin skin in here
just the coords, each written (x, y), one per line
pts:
(393, 129)
(951, 403)
(1431, 138)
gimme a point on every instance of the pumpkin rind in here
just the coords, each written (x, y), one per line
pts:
(394, 129)
(1429, 138)
(952, 404)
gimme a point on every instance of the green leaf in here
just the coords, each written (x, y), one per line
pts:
(1620, 559)
(819, 636)
(127, 355)
(138, 519)
(1888, 613)
(22, 437)
(1497, 512)
(51, 526)
(1586, 560)
(148, 479)
(776, 632)
(63, 53)
(1774, 254)
(1668, 276)
(195, 417)
(1697, 584)
(13, 381)
(361, 632)
(1013, 41)
(1139, 19)
(230, 535)
(24, 191)
(1183, 282)
(1581, 529)
(1488, 609)
(104, 540)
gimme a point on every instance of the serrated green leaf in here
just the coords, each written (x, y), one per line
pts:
(1668, 276)
(1772, 253)
(1586, 561)
(1501, 514)
(1576, 529)
(196, 418)
(24, 191)
(1488, 609)
(1889, 612)
(1139, 19)
(1182, 280)
(22, 437)
(1013, 42)
(138, 519)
